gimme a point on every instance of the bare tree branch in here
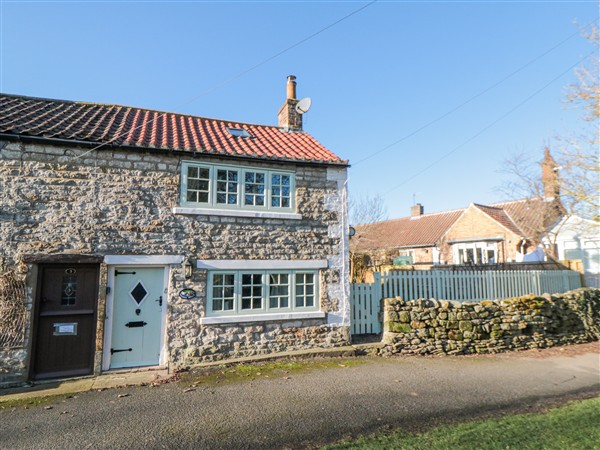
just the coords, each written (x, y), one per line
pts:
(366, 210)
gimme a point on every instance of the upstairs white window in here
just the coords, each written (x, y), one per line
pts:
(254, 188)
(266, 291)
(229, 187)
(198, 183)
(280, 190)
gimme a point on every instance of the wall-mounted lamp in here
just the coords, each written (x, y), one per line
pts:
(187, 269)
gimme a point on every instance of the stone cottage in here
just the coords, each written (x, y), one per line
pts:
(134, 237)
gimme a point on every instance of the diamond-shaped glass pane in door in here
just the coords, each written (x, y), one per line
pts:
(138, 293)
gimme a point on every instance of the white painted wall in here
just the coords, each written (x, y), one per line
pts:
(338, 203)
(578, 238)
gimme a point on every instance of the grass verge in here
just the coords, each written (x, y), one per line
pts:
(575, 426)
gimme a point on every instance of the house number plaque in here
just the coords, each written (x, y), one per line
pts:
(187, 294)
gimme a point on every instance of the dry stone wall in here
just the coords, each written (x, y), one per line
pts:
(437, 327)
(111, 201)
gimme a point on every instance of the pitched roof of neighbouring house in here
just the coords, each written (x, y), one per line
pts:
(528, 214)
(125, 126)
(523, 217)
(418, 231)
(500, 216)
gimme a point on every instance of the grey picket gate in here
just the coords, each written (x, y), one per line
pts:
(463, 286)
(365, 308)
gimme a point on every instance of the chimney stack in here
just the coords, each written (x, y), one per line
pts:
(550, 177)
(416, 210)
(289, 118)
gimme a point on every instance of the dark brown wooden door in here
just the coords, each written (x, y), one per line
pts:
(66, 320)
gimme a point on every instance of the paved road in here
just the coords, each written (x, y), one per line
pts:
(310, 407)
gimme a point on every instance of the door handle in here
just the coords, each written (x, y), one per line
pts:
(159, 300)
(115, 350)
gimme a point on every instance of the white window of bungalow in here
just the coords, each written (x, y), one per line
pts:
(475, 253)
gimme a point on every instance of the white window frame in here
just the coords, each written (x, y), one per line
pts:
(215, 181)
(407, 253)
(266, 307)
(240, 192)
(265, 193)
(484, 246)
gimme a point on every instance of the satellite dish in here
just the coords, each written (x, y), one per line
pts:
(303, 105)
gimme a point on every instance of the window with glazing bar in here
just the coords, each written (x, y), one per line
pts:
(229, 187)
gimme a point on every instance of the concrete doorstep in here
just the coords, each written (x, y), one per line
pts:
(138, 377)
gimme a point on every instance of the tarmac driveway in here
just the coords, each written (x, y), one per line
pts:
(305, 408)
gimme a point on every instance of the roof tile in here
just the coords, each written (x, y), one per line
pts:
(143, 128)
(423, 230)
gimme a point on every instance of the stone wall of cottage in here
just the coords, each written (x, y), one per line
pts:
(446, 327)
(64, 200)
(248, 339)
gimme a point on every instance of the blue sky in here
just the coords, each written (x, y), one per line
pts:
(374, 78)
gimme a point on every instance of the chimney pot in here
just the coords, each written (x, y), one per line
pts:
(290, 119)
(291, 87)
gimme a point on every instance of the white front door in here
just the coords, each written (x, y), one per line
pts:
(137, 316)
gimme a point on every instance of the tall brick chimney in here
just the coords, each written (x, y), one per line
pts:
(554, 209)
(416, 210)
(289, 118)
(550, 177)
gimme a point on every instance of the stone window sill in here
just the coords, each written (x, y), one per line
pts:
(235, 213)
(262, 317)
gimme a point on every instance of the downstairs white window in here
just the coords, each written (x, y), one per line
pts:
(475, 253)
(265, 291)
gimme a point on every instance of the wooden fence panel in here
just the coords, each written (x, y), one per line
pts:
(477, 285)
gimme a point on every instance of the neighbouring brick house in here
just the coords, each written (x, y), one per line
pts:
(479, 234)
(139, 238)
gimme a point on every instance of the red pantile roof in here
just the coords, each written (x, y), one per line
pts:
(421, 231)
(96, 123)
(500, 216)
(524, 217)
(531, 215)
